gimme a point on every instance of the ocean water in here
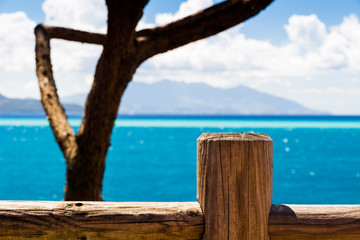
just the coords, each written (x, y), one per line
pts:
(316, 159)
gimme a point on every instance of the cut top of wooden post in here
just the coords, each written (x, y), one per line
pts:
(234, 184)
(235, 137)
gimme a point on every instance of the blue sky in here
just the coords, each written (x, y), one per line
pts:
(303, 50)
(270, 23)
(267, 25)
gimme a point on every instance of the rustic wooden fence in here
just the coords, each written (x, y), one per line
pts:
(234, 191)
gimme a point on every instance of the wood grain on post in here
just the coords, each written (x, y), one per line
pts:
(234, 184)
(100, 220)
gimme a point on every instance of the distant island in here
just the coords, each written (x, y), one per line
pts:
(177, 98)
(174, 98)
(31, 107)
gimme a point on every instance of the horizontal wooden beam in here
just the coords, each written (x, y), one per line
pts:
(330, 222)
(100, 220)
(106, 220)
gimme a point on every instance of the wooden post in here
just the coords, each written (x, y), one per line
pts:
(234, 184)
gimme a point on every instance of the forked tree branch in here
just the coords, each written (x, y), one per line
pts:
(149, 43)
(123, 17)
(198, 26)
(55, 112)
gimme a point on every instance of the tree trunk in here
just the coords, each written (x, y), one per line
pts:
(115, 69)
(86, 168)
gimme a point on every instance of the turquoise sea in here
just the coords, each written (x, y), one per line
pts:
(316, 158)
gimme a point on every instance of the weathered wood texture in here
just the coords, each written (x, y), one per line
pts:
(104, 220)
(300, 222)
(234, 184)
(100, 220)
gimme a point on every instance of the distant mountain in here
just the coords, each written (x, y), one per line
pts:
(167, 97)
(30, 107)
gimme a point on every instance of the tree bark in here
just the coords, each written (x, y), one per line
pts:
(55, 112)
(124, 50)
(114, 71)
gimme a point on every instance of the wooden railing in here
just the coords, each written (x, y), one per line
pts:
(234, 190)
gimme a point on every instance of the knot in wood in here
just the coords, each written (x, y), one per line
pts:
(192, 212)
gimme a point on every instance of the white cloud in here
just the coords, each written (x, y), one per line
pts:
(343, 44)
(185, 9)
(307, 32)
(228, 60)
(16, 42)
(87, 15)
(73, 56)
(143, 25)
(248, 59)
(73, 62)
(17, 62)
